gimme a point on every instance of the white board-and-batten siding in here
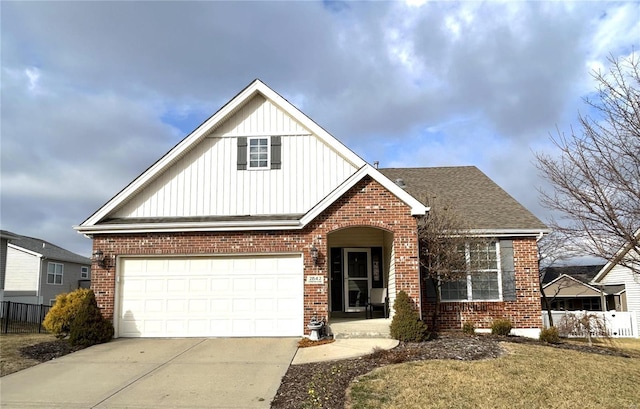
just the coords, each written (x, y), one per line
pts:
(631, 281)
(205, 181)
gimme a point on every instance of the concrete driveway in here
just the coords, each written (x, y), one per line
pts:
(156, 373)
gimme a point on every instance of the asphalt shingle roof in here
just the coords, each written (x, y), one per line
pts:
(478, 199)
(49, 250)
(582, 273)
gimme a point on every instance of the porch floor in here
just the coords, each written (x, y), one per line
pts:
(356, 325)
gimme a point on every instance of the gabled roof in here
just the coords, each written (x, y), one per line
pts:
(478, 199)
(96, 222)
(7, 235)
(619, 255)
(48, 250)
(582, 273)
(572, 279)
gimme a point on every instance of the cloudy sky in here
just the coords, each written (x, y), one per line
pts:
(94, 92)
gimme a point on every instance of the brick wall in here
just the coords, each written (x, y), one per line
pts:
(366, 204)
(525, 312)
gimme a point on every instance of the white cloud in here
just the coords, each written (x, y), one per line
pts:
(94, 92)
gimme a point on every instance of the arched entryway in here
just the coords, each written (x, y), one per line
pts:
(360, 258)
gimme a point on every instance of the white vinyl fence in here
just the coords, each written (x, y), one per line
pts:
(618, 324)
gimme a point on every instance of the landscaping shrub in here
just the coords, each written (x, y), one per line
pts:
(550, 335)
(501, 327)
(468, 328)
(406, 324)
(59, 318)
(89, 327)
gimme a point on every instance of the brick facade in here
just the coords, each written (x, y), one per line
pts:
(524, 313)
(366, 204)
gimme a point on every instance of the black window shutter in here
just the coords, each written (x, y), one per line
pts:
(508, 270)
(242, 153)
(276, 152)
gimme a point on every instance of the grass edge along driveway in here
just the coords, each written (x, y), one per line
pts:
(528, 376)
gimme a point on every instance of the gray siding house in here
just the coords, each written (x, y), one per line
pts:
(37, 271)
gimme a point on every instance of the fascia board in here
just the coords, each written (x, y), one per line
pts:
(611, 263)
(603, 272)
(192, 227)
(31, 252)
(174, 153)
(507, 232)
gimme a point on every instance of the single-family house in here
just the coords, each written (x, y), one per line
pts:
(5, 238)
(37, 271)
(568, 288)
(615, 274)
(260, 220)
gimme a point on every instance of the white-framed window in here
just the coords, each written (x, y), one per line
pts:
(54, 273)
(258, 153)
(52, 301)
(84, 272)
(483, 281)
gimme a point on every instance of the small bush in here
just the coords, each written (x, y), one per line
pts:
(468, 328)
(89, 327)
(550, 335)
(59, 318)
(501, 327)
(406, 324)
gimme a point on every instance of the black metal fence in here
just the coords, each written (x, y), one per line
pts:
(16, 317)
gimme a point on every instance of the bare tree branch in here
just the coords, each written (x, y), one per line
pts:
(596, 179)
(443, 234)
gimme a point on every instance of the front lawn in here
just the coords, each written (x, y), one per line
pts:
(11, 360)
(528, 376)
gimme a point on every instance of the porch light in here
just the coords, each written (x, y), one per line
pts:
(98, 257)
(314, 254)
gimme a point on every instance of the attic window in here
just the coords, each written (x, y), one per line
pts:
(259, 153)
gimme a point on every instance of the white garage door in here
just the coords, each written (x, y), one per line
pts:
(211, 296)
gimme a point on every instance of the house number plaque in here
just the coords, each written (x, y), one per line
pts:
(315, 279)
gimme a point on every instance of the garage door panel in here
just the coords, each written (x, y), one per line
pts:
(216, 296)
(155, 286)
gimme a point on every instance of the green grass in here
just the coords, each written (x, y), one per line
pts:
(529, 376)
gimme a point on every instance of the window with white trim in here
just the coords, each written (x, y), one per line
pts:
(258, 153)
(54, 273)
(483, 280)
(84, 272)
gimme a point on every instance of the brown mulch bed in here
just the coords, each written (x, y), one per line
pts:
(46, 351)
(324, 384)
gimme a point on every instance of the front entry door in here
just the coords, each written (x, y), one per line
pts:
(357, 279)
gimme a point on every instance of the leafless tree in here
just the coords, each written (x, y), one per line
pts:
(596, 180)
(442, 235)
(552, 248)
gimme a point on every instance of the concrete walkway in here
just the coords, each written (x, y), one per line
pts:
(156, 373)
(342, 349)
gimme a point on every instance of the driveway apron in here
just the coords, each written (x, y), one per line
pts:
(156, 373)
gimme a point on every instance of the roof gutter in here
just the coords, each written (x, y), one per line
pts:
(189, 227)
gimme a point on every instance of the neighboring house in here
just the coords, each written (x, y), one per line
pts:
(260, 220)
(615, 274)
(568, 288)
(5, 238)
(37, 271)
